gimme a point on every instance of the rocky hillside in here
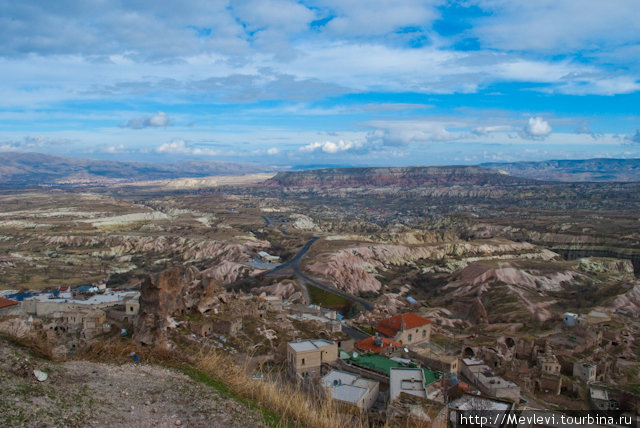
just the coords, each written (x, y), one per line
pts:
(82, 393)
(393, 177)
(625, 170)
(354, 269)
(32, 169)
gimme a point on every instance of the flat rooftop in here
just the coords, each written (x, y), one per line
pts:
(337, 377)
(348, 393)
(309, 345)
(407, 380)
(469, 402)
(347, 387)
(96, 299)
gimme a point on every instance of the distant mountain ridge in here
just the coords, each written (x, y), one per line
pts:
(393, 177)
(19, 169)
(599, 170)
(32, 169)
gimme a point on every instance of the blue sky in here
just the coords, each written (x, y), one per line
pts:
(340, 82)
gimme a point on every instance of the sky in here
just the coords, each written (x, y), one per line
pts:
(321, 82)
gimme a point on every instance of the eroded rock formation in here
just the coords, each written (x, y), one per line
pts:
(167, 294)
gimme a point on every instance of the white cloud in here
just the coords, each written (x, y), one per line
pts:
(175, 146)
(596, 84)
(378, 17)
(537, 128)
(331, 147)
(556, 25)
(157, 120)
(180, 147)
(485, 130)
(204, 152)
(402, 133)
(273, 151)
(120, 148)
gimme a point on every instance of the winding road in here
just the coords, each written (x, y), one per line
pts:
(294, 266)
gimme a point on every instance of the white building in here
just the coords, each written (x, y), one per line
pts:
(347, 388)
(569, 319)
(408, 380)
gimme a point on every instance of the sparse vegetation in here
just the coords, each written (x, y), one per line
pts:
(294, 406)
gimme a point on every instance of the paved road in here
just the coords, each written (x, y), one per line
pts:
(294, 265)
(294, 262)
(353, 333)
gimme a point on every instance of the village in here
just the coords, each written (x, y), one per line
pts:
(389, 368)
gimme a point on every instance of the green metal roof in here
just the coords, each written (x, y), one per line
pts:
(383, 365)
(430, 376)
(376, 363)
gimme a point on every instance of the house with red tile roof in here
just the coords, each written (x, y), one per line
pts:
(406, 329)
(9, 307)
(377, 345)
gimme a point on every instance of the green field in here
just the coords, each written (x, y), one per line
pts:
(325, 299)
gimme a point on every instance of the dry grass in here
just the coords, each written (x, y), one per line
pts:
(120, 351)
(279, 400)
(294, 406)
(35, 344)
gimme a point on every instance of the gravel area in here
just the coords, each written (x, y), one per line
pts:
(80, 393)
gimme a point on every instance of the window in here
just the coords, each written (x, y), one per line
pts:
(410, 338)
(303, 361)
(424, 333)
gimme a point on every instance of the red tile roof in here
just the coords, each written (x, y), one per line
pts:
(392, 326)
(7, 302)
(376, 344)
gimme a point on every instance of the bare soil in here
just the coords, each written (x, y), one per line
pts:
(81, 393)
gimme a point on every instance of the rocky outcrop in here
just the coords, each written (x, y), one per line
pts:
(167, 294)
(477, 312)
(283, 289)
(189, 248)
(227, 272)
(399, 237)
(604, 265)
(532, 280)
(303, 222)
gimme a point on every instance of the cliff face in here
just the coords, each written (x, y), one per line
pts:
(392, 177)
